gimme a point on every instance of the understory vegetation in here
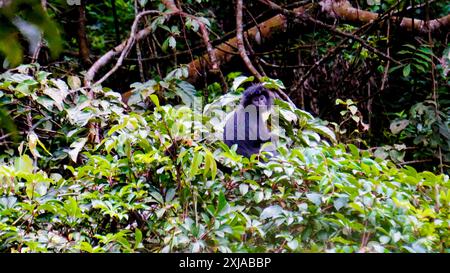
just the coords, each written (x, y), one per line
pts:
(112, 112)
(151, 185)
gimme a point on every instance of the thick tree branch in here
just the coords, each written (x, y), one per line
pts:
(342, 9)
(222, 51)
(337, 9)
(170, 4)
(240, 41)
(308, 18)
(82, 36)
(124, 48)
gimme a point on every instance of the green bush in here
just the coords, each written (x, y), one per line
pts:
(152, 185)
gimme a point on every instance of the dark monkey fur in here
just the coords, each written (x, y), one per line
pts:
(246, 127)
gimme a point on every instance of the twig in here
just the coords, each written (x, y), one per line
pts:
(282, 66)
(354, 37)
(306, 17)
(415, 162)
(123, 49)
(138, 48)
(252, 53)
(258, 40)
(436, 105)
(386, 68)
(336, 49)
(41, 43)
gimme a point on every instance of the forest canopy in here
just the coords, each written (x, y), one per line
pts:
(112, 113)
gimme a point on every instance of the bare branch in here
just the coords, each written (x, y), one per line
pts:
(306, 17)
(240, 41)
(343, 10)
(122, 49)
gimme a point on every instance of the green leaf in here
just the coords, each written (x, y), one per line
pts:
(155, 100)
(165, 45)
(315, 198)
(23, 164)
(293, 244)
(271, 212)
(76, 148)
(357, 207)
(157, 196)
(137, 238)
(57, 95)
(354, 150)
(407, 70)
(326, 132)
(10, 47)
(7, 123)
(222, 203)
(172, 42)
(353, 109)
(198, 158)
(210, 164)
(238, 81)
(384, 239)
(243, 189)
(74, 82)
(259, 196)
(170, 195)
(186, 92)
(340, 203)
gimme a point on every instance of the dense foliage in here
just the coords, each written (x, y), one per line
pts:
(112, 111)
(135, 192)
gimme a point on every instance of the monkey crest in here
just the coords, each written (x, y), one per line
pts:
(257, 95)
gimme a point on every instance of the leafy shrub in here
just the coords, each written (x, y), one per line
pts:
(153, 185)
(424, 129)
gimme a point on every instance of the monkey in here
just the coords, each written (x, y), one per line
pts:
(246, 126)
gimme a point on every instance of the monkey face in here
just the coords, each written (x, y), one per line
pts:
(258, 96)
(259, 100)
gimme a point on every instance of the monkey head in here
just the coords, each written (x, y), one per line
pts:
(257, 95)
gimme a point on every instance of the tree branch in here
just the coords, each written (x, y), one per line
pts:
(342, 9)
(82, 36)
(122, 49)
(240, 41)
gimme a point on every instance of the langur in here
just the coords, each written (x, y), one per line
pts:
(246, 126)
